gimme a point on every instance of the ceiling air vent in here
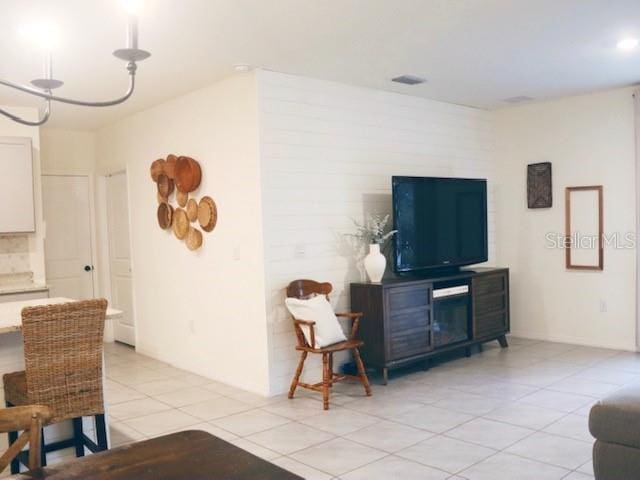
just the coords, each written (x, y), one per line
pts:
(518, 99)
(409, 79)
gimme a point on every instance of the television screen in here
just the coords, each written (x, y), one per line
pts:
(441, 222)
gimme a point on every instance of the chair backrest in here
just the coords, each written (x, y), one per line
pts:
(29, 418)
(63, 357)
(306, 288)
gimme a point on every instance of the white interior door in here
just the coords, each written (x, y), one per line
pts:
(67, 245)
(120, 257)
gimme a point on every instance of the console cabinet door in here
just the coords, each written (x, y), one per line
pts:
(490, 305)
(408, 325)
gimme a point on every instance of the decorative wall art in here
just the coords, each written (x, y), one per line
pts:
(182, 175)
(584, 228)
(539, 193)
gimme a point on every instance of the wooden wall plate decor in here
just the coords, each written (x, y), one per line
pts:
(194, 239)
(183, 175)
(207, 214)
(182, 198)
(192, 210)
(170, 166)
(165, 185)
(188, 174)
(165, 215)
(180, 223)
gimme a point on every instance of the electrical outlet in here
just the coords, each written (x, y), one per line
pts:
(300, 251)
(603, 306)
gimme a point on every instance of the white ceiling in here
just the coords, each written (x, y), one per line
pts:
(473, 52)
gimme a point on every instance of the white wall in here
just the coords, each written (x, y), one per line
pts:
(590, 141)
(328, 152)
(202, 311)
(68, 151)
(9, 128)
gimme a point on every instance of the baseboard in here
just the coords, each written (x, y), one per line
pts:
(582, 341)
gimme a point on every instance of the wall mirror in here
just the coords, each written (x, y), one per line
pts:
(584, 228)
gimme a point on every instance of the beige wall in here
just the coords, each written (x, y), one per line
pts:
(67, 151)
(589, 140)
(203, 311)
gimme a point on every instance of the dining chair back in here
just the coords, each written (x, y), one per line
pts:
(63, 350)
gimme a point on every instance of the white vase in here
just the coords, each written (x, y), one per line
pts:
(375, 263)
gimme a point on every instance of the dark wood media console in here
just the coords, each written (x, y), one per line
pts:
(407, 320)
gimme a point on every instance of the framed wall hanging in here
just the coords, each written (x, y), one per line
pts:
(539, 194)
(584, 247)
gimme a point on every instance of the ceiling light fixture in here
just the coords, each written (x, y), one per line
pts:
(409, 79)
(45, 35)
(627, 44)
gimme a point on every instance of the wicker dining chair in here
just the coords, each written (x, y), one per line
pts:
(63, 370)
(29, 419)
(304, 289)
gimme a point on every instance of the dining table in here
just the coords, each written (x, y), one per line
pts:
(11, 312)
(186, 455)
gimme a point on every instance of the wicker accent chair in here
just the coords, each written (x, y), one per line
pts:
(304, 289)
(29, 419)
(63, 352)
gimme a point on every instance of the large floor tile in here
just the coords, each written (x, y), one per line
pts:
(433, 419)
(553, 449)
(289, 438)
(489, 433)
(504, 390)
(572, 426)
(136, 408)
(396, 468)
(565, 402)
(385, 406)
(389, 436)
(162, 422)
(583, 386)
(338, 456)
(469, 403)
(339, 421)
(446, 453)
(186, 396)
(157, 387)
(525, 415)
(257, 450)
(249, 422)
(503, 466)
(296, 408)
(121, 434)
(305, 471)
(215, 408)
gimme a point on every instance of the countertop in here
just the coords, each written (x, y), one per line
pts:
(22, 288)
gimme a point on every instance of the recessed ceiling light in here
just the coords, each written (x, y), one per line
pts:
(242, 67)
(409, 79)
(628, 43)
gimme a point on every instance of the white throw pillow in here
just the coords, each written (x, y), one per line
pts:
(317, 309)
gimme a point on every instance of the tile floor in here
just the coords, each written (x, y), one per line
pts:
(519, 413)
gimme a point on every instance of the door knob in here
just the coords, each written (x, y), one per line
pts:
(88, 268)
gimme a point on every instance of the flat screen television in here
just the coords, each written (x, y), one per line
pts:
(441, 223)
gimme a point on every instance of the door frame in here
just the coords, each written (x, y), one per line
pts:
(97, 288)
(106, 244)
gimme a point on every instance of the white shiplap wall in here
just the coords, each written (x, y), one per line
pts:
(328, 152)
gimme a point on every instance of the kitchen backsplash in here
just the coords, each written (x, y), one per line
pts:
(14, 255)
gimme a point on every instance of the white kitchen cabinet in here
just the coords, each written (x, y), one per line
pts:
(17, 213)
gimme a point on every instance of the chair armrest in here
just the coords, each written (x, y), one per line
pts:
(301, 338)
(19, 418)
(355, 316)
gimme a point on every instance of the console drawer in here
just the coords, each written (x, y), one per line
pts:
(489, 303)
(488, 284)
(490, 324)
(410, 319)
(401, 298)
(409, 342)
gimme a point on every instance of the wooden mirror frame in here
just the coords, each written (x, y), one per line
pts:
(600, 263)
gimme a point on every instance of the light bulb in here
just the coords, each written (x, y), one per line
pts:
(133, 7)
(44, 34)
(627, 44)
